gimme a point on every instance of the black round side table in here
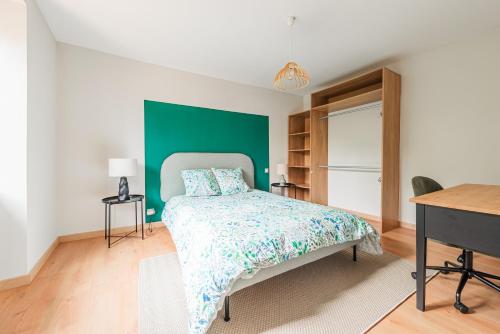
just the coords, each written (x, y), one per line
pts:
(113, 200)
(283, 186)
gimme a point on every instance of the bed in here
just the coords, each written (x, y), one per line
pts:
(227, 243)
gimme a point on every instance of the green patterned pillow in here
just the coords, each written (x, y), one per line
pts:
(230, 181)
(200, 182)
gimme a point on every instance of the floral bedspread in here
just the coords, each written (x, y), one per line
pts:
(222, 238)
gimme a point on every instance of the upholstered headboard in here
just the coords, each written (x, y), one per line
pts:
(171, 179)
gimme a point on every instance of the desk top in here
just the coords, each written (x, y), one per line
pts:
(469, 197)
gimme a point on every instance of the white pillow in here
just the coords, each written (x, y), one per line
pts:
(200, 182)
(230, 180)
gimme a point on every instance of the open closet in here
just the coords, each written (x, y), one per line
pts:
(344, 151)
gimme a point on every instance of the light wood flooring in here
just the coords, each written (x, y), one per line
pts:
(87, 288)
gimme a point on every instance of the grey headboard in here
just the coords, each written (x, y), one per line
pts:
(171, 179)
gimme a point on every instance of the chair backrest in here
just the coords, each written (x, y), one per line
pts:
(423, 185)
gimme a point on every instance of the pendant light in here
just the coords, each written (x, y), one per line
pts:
(291, 76)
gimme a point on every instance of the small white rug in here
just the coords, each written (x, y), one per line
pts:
(331, 295)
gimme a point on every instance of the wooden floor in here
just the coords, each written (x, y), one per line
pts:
(86, 288)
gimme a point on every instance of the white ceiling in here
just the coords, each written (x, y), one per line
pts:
(247, 41)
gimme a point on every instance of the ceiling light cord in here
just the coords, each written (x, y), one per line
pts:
(291, 21)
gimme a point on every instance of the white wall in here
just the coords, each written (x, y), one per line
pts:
(27, 137)
(42, 225)
(13, 215)
(100, 115)
(450, 115)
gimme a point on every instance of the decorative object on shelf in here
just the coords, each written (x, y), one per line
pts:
(291, 76)
(122, 168)
(281, 170)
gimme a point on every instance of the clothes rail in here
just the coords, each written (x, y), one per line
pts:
(365, 107)
(367, 169)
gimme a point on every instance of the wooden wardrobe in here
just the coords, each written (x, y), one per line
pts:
(308, 140)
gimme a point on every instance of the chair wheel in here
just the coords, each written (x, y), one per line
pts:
(460, 259)
(414, 275)
(444, 272)
(461, 307)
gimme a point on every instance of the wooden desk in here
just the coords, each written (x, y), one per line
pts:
(467, 216)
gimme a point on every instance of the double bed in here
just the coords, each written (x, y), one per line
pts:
(227, 243)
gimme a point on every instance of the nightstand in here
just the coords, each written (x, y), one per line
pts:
(113, 200)
(283, 186)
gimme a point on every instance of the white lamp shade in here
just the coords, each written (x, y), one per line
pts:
(281, 169)
(122, 167)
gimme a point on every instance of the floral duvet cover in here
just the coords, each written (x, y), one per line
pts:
(220, 239)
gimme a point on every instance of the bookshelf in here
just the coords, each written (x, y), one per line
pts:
(299, 153)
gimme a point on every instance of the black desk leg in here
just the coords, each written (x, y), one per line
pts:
(105, 221)
(135, 216)
(109, 225)
(142, 220)
(421, 256)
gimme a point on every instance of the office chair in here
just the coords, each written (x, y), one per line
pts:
(424, 185)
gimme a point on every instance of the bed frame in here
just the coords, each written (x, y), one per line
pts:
(172, 185)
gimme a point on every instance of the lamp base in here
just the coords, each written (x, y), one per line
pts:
(282, 180)
(123, 193)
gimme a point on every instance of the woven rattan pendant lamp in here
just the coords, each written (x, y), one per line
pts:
(291, 76)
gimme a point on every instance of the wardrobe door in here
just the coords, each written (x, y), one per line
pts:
(354, 157)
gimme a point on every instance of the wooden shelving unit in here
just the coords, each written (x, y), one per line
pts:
(379, 85)
(299, 153)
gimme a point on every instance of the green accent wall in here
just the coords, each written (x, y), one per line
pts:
(171, 128)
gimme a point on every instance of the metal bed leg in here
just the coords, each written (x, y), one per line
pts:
(354, 253)
(226, 309)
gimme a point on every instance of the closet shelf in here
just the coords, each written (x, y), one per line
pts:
(299, 167)
(300, 134)
(303, 186)
(354, 101)
(299, 150)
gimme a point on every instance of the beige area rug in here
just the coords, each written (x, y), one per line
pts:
(331, 295)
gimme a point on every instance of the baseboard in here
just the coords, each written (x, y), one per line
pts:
(92, 234)
(15, 282)
(41, 261)
(407, 225)
(100, 233)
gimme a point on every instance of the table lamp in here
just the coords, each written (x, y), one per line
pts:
(281, 170)
(122, 168)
